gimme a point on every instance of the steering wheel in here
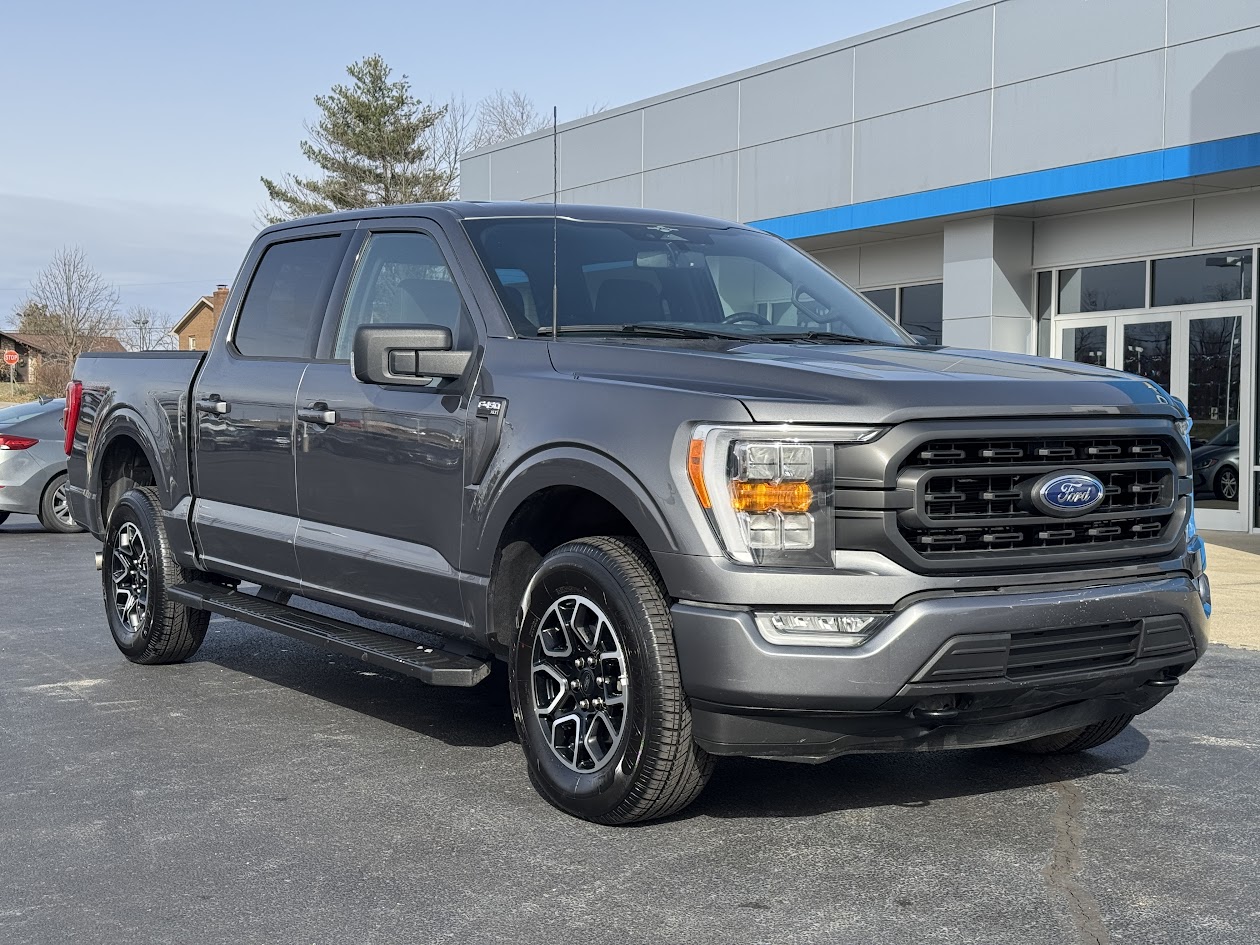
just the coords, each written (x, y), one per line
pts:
(751, 317)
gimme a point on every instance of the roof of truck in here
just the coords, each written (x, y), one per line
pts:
(474, 209)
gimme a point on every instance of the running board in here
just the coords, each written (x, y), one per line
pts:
(433, 666)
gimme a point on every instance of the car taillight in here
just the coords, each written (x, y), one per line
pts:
(16, 442)
(70, 415)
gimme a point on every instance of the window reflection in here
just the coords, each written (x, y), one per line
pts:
(921, 310)
(1102, 288)
(1192, 280)
(1148, 351)
(1087, 345)
(883, 299)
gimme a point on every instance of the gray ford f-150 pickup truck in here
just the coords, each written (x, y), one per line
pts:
(698, 495)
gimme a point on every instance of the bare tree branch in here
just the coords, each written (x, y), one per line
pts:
(147, 329)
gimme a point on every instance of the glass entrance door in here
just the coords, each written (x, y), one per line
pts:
(1200, 356)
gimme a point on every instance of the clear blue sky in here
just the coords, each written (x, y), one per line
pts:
(138, 130)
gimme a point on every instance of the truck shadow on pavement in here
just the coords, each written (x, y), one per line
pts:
(753, 788)
(478, 718)
(741, 787)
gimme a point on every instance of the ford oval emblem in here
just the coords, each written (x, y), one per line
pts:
(1068, 493)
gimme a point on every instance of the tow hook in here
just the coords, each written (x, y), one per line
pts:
(937, 709)
(99, 560)
(1162, 682)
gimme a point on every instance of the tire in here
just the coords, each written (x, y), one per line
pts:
(54, 507)
(1225, 485)
(138, 569)
(1076, 739)
(649, 767)
(4, 517)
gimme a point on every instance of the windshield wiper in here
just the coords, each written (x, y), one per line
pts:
(649, 330)
(827, 337)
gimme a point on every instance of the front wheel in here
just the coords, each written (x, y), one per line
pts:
(596, 692)
(137, 570)
(1077, 739)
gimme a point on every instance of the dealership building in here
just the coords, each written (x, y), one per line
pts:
(1073, 178)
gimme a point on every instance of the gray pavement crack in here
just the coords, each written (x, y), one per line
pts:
(1063, 871)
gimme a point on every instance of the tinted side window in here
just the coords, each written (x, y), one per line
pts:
(402, 279)
(286, 298)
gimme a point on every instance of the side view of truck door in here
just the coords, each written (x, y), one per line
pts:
(243, 406)
(380, 467)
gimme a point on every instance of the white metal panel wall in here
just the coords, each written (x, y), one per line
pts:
(1065, 81)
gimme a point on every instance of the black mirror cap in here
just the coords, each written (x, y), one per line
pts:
(405, 354)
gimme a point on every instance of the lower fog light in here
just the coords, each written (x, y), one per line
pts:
(817, 629)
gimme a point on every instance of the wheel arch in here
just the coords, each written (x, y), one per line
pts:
(559, 496)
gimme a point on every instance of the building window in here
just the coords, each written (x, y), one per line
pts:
(1102, 288)
(883, 299)
(192, 342)
(922, 309)
(1086, 345)
(916, 308)
(1192, 280)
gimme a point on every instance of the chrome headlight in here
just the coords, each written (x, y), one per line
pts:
(769, 490)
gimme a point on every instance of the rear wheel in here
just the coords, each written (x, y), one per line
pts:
(1077, 739)
(54, 507)
(138, 569)
(596, 691)
(4, 516)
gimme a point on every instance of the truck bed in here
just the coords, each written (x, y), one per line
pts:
(145, 394)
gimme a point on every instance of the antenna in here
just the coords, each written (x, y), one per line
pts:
(555, 227)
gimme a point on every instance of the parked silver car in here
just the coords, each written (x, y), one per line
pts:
(33, 464)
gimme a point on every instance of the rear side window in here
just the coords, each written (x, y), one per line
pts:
(286, 297)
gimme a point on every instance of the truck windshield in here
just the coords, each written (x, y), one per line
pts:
(689, 281)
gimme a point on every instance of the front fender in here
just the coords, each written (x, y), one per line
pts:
(567, 466)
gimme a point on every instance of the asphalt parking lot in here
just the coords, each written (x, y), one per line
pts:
(268, 792)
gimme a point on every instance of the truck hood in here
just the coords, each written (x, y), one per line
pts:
(822, 383)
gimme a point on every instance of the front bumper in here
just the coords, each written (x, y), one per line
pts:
(918, 683)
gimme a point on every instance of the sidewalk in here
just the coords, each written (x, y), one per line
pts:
(1234, 568)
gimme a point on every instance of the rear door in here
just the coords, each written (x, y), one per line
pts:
(380, 470)
(245, 515)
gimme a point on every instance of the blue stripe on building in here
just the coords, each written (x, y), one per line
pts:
(1130, 170)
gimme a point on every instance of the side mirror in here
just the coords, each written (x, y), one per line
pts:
(405, 354)
(923, 340)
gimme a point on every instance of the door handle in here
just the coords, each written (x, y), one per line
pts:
(317, 413)
(213, 404)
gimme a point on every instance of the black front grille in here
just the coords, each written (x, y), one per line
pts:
(1080, 649)
(1074, 451)
(1066, 651)
(973, 497)
(1005, 495)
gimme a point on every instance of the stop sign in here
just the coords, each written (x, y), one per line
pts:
(11, 357)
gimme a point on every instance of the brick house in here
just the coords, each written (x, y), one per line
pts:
(33, 349)
(197, 325)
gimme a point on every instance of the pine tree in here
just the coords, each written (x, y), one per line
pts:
(370, 147)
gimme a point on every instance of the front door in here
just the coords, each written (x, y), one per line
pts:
(1199, 356)
(380, 469)
(245, 516)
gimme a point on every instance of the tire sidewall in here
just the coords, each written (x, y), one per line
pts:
(1219, 488)
(133, 508)
(47, 517)
(596, 794)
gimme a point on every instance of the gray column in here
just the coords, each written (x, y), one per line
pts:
(988, 296)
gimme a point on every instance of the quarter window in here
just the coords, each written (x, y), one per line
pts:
(285, 302)
(402, 279)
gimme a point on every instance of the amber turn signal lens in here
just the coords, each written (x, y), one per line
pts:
(695, 471)
(767, 496)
